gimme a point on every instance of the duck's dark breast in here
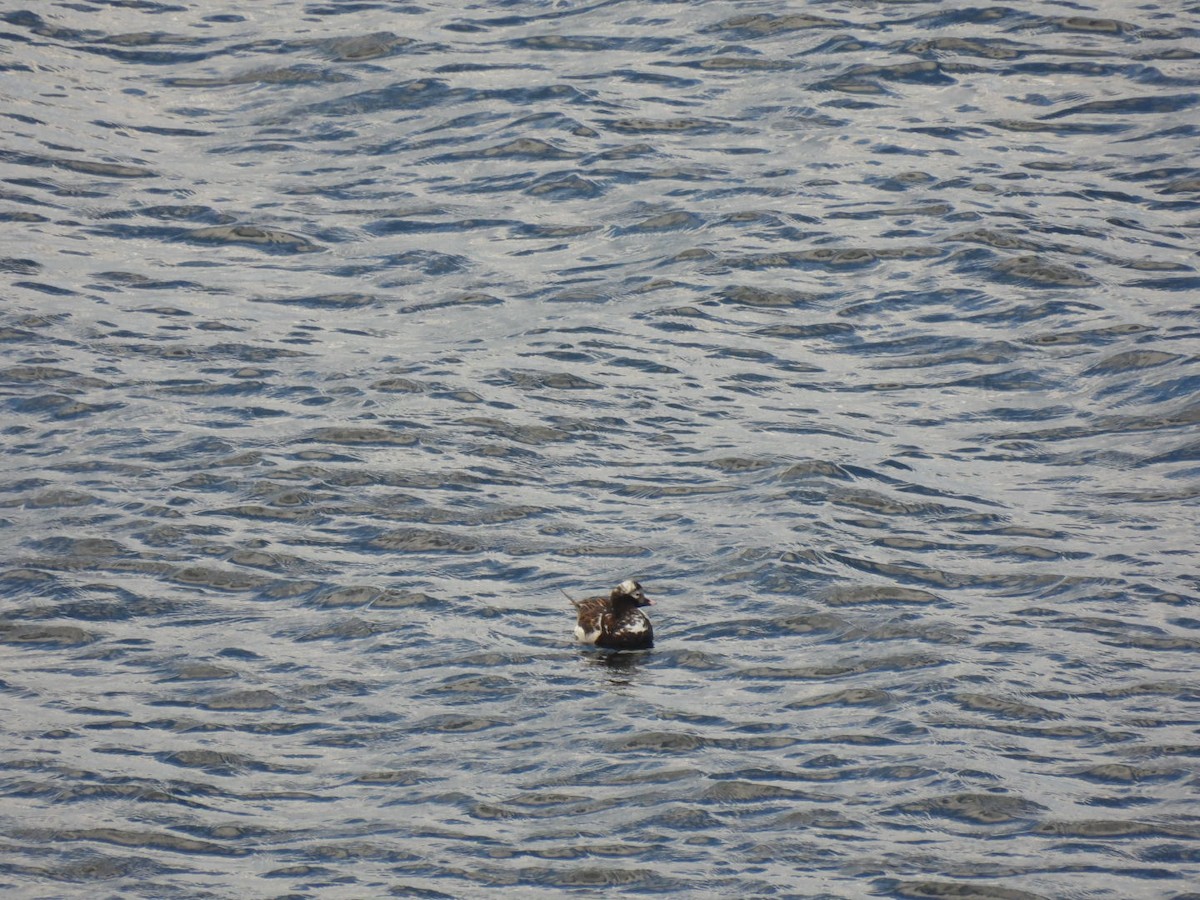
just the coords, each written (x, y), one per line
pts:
(631, 631)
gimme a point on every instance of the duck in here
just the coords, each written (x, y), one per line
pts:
(615, 622)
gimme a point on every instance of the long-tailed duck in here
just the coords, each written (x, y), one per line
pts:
(615, 622)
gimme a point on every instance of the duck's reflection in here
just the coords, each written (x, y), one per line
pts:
(621, 667)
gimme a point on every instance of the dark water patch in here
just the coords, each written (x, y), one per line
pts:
(1066, 733)
(59, 406)
(417, 540)
(669, 221)
(881, 504)
(834, 259)
(685, 125)
(48, 635)
(982, 809)
(804, 332)
(750, 296)
(213, 762)
(1004, 707)
(352, 48)
(201, 672)
(110, 604)
(986, 48)
(1184, 453)
(1158, 642)
(905, 212)
(410, 225)
(287, 75)
(520, 148)
(80, 166)
(533, 435)
(96, 868)
(738, 792)
(1120, 773)
(659, 491)
(356, 437)
(872, 594)
(1095, 336)
(616, 552)
(1131, 361)
(469, 516)
(847, 697)
(400, 386)
(1186, 185)
(1106, 829)
(816, 469)
(465, 300)
(43, 288)
(344, 301)
(1189, 283)
(456, 724)
(589, 43)
(149, 840)
(400, 777)
(1119, 425)
(402, 95)
(1033, 270)
(1126, 106)
(254, 236)
(751, 26)
(527, 380)
(564, 186)
(740, 64)
(258, 511)
(931, 890)
(664, 742)
(243, 701)
(1086, 24)
(997, 239)
(28, 217)
(577, 877)
(372, 598)
(19, 265)
(351, 628)
(220, 579)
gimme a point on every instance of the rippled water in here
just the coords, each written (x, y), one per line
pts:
(339, 339)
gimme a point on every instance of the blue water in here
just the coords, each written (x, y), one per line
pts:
(338, 340)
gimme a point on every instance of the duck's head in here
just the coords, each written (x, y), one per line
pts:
(630, 590)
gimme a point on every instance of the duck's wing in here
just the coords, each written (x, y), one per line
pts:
(586, 602)
(590, 605)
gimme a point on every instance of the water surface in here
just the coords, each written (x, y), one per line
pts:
(338, 339)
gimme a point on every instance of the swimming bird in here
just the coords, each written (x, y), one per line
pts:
(616, 622)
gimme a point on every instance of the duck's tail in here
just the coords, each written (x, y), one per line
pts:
(575, 603)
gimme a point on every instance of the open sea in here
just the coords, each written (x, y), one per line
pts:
(339, 340)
